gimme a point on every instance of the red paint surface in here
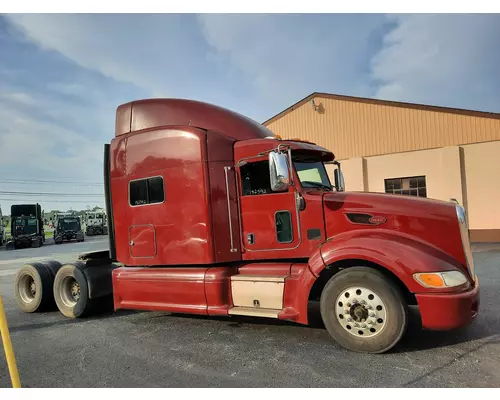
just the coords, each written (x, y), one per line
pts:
(433, 223)
(189, 144)
(218, 289)
(296, 294)
(142, 240)
(153, 113)
(182, 224)
(265, 269)
(448, 311)
(160, 289)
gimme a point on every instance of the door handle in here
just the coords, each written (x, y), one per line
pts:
(131, 242)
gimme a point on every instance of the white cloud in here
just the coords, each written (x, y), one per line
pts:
(449, 60)
(30, 143)
(255, 64)
(288, 57)
(134, 49)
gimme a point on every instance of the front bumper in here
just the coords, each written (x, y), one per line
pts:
(445, 311)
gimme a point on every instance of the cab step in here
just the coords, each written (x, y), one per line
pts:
(254, 312)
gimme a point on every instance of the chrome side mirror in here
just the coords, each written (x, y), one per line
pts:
(278, 171)
(339, 178)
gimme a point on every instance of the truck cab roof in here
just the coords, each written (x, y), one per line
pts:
(143, 115)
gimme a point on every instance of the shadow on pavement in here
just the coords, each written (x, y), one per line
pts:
(68, 321)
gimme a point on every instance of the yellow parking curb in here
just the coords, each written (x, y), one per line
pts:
(7, 345)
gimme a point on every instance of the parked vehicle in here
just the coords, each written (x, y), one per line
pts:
(26, 226)
(212, 214)
(3, 236)
(96, 223)
(68, 227)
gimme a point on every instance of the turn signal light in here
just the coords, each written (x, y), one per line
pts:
(440, 279)
(432, 280)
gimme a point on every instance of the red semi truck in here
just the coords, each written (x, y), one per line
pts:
(211, 213)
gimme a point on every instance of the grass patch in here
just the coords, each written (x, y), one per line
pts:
(48, 234)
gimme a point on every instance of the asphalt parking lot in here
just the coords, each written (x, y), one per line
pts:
(155, 349)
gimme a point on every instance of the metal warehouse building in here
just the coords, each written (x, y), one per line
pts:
(408, 149)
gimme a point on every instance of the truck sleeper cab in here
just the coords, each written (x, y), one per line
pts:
(210, 213)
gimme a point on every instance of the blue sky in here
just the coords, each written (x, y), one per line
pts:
(62, 77)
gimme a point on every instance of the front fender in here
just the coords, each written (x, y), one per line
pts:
(399, 253)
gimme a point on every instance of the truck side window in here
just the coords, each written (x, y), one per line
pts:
(155, 190)
(255, 178)
(284, 228)
(146, 191)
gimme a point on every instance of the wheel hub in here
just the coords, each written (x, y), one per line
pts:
(361, 312)
(75, 291)
(358, 313)
(32, 288)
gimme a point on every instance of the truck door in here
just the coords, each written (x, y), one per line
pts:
(269, 219)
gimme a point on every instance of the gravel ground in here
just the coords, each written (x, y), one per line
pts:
(154, 349)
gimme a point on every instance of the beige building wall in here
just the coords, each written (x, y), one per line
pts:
(458, 151)
(441, 168)
(482, 182)
(362, 128)
(470, 174)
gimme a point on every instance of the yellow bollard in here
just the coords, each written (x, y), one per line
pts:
(7, 345)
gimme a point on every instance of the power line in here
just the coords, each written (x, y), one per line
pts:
(35, 181)
(57, 201)
(52, 194)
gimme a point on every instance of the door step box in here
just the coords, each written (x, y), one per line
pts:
(257, 295)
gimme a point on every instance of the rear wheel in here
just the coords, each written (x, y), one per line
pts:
(363, 311)
(71, 291)
(33, 287)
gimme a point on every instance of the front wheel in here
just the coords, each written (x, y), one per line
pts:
(363, 311)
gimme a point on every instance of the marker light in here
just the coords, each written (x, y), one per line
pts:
(440, 279)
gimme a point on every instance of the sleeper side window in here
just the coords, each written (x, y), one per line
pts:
(255, 178)
(155, 190)
(146, 191)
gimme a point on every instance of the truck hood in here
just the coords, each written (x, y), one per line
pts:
(431, 221)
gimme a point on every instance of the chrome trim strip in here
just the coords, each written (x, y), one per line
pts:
(233, 249)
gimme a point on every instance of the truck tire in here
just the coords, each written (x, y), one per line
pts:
(33, 287)
(71, 291)
(53, 266)
(363, 310)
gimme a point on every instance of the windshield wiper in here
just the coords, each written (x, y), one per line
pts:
(317, 184)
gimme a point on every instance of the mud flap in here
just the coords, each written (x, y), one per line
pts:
(99, 280)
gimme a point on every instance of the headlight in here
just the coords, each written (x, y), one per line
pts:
(440, 279)
(464, 233)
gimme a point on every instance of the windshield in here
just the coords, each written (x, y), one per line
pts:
(312, 174)
(25, 226)
(69, 224)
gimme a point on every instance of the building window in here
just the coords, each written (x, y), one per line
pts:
(413, 186)
(146, 191)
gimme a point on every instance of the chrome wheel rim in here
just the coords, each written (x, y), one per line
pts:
(361, 312)
(27, 288)
(70, 291)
